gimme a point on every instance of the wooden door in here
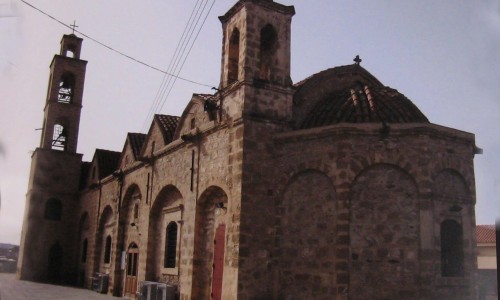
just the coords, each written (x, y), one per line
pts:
(218, 266)
(131, 271)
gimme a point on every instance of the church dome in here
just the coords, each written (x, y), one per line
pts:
(350, 94)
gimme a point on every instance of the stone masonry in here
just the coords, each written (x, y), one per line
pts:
(334, 187)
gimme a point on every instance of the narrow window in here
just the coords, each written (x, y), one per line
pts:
(268, 41)
(192, 170)
(84, 250)
(65, 92)
(234, 56)
(170, 245)
(59, 138)
(452, 256)
(136, 211)
(107, 250)
(53, 209)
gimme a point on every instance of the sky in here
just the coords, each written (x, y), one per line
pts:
(443, 55)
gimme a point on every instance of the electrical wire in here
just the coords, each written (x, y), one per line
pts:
(178, 53)
(115, 50)
(179, 58)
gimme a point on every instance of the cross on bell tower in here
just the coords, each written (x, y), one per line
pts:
(64, 97)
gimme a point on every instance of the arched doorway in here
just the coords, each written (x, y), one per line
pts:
(209, 246)
(55, 262)
(131, 270)
(128, 232)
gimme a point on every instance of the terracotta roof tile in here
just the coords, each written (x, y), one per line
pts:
(350, 94)
(485, 233)
(364, 105)
(168, 126)
(136, 141)
(107, 161)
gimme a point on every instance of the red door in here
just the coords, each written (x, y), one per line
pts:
(131, 278)
(219, 243)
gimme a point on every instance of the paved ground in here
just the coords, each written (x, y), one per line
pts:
(13, 289)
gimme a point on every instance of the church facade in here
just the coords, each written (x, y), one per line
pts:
(335, 187)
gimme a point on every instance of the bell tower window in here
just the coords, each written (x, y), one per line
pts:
(268, 43)
(59, 138)
(70, 52)
(234, 56)
(65, 92)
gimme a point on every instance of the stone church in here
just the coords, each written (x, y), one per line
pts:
(333, 187)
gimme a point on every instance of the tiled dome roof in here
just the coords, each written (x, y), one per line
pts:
(350, 94)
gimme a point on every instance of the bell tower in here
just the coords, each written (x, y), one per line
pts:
(64, 97)
(256, 57)
(47, 247)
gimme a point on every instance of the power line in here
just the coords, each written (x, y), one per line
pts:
(180, 57)
(171, 66)
(114, 50)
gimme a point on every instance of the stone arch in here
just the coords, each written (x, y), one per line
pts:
(167, 207)
(82, 247)
(308, 242)
(105, 229)
(384, 232)
(65, 88)
(233, 64)
(210, 213)
(267, 53)
(450, 186)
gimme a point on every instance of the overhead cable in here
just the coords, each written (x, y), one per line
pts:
(116, 51)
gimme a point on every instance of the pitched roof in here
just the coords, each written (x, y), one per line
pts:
(107, 161)
(136, 141)
(168, 125)
(485, 233)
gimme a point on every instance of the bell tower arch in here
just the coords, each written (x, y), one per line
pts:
(256, 35)
(64, 97)
(52, 197)
(255, 65)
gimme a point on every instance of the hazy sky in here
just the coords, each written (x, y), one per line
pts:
(443, 55)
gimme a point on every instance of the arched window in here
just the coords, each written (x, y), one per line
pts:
(107, 250)
(59, 138)
(234, 56)
(53, 209)
(268, 43)
(84, 250)
(65, 92)
(70, 51)
(452, 255)
(170, 245)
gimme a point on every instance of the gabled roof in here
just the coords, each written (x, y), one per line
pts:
(136, 140)
(107, 161)
(485, 234)
(168, 125)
